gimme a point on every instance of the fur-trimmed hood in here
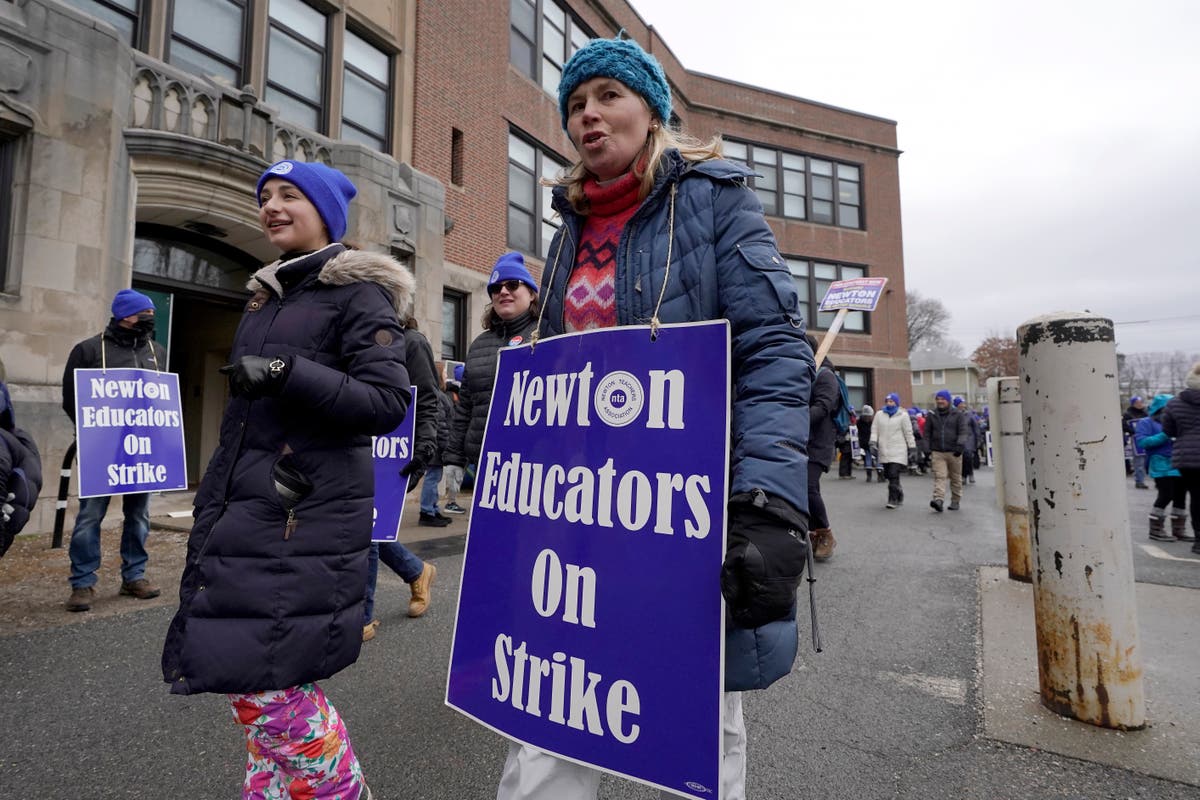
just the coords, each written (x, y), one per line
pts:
(352, 266)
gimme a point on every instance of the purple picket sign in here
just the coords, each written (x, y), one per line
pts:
(392, 454)
(129, 430)
(590, 621)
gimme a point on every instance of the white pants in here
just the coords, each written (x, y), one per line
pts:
(532, 775)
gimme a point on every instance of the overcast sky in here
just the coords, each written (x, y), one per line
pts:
(1051, 149)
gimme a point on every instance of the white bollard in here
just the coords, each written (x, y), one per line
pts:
(1008, 445)
(1089, 656)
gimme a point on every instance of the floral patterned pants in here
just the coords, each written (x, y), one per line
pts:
(298, 747)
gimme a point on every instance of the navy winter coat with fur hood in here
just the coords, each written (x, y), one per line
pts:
(724, 264)
(264, 604)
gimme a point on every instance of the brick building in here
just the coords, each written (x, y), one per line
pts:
(132, 132)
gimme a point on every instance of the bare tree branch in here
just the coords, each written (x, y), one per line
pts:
(928, 321)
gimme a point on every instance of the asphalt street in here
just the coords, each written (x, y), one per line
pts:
(891, 708)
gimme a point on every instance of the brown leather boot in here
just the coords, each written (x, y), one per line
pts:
(419, 603)
(81, 599)
(822, 543)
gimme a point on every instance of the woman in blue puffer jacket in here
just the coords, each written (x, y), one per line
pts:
(271, 598)
(657, 227)
(1148, 431)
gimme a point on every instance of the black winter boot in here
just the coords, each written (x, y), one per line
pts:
(870, 473)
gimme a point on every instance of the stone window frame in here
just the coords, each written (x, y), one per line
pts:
(241, 68)
(347, 67)
(320, 106)
(118, 14)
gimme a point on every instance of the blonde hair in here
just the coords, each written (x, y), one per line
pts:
(659, 140)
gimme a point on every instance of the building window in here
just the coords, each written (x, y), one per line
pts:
(8, 150)
(798, 186)
(918, 377)
(121, 14)
(939, 376)
(366, 89)
(542, 35)
(858, 386)
(454, 326)
(208, 37)
(531, 220)
(456, 157)
(812, 281)
(296, 63)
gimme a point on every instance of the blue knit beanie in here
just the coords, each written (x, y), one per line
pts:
(326, 188)
(895, 398)
(624, 60)
(511, 266)
(944, 394)
(958, 401)
(129, 302)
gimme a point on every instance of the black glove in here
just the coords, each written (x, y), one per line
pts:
(415, 468)
(912, 455)
(875, 452)
(764, 560)
(958, 451)
(256, 376)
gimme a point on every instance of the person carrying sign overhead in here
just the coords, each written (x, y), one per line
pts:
(127, 341)
(271, 598)
(693, 246)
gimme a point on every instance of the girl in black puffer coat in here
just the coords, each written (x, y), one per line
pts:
(1181, 421)
(271, 597)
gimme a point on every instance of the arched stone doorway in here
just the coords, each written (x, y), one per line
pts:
(198, 286)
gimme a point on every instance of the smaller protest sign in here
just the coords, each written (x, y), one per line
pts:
(392, 454)
(129, 430)
(855, 294)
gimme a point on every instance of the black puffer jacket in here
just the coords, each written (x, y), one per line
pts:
(117, 348)
(422, 373)
(446, 407)
(479, 378)
(823, 405)
(269, 599)
(1181, 420)
(947, 431)
(20, 472)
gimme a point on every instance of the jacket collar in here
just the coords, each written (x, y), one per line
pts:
(336, 266)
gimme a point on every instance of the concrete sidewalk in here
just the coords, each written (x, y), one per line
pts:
(1167, 747)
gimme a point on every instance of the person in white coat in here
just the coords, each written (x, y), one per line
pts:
(893, 445)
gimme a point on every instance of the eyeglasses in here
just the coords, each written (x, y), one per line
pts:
(510, 285)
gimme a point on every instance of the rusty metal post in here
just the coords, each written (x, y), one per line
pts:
(1089, 656)
(1008, 449)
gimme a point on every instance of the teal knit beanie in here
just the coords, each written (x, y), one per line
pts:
(624, 60)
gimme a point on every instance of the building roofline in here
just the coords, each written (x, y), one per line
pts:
(786, 96)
